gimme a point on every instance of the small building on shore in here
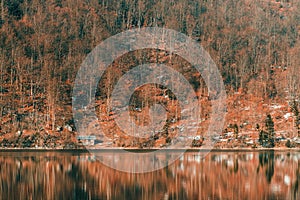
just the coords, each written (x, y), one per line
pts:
(86, 139)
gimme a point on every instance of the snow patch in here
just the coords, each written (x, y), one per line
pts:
(288, 115)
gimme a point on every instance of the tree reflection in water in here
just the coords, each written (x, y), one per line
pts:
(221, 175)
(266, 159)
(295, 187)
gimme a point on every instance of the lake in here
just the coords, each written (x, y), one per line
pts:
(220, 175)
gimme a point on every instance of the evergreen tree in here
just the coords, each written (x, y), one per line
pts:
(236, 130)
(270, 131)
(295, 110)
(263, 137)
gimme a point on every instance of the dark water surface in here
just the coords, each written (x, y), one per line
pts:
(221, 175)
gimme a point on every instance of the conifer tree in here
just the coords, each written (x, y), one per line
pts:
(270, 130)
(295, 110)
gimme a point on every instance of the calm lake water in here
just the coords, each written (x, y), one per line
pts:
(221, 175)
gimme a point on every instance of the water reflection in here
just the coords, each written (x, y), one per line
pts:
(267, 159)
(221, 175)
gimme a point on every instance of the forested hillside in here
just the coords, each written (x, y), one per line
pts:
(255, 44)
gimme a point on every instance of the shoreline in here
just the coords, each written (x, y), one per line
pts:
(135, 150)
